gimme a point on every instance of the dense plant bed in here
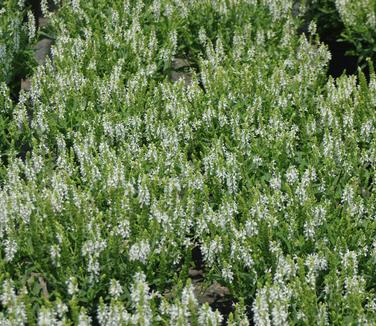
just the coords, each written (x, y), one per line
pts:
(349, 28)
(166, 141)
(17, 32)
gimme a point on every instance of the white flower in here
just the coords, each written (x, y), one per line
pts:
(8, 295)
(227, 274)
(188, 296)
(55, 254)
(10, 249)
(309, 229)
(314, 264)
(139, 251)
(350, 261)
(261, 309)
(347, 195)
(72, 285)
(143, 195)
(202, 36)
(123, 229)
(44, 7)
(210, 251)
(21, 4)
(75, 5)
(84, 319)
(275, 182)
(92, 250)
(206, 316)
(140, 298)
(257, 160)
(251, 228)
(280, 313)
(312, 27)
(61, 309)
(115, 289)
(292, 175)
(156, 8)
(31, 25)
(46, 317)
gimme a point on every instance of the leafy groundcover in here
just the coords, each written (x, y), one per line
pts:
(162, 131)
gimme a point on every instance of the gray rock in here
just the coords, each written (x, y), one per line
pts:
(180, 71)
(211, 294)
(43, 21)
(178, 63)
(26, 84)
(42, 50)
(185, 76)
(194, 273)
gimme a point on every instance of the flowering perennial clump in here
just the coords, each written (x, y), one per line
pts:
(113, 172)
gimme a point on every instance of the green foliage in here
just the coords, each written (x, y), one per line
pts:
(359, 19)
(347, 21)
(16, 60)
(112, 174)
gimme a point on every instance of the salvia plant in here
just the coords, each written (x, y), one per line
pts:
(112, 175)
(353, 22)
(16, 58)
(359, 19)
